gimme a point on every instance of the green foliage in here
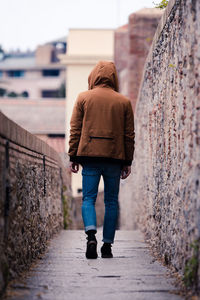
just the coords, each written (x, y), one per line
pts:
(172, 66)
(149, 39)
(62, 91)
(12, 95)
(190, 277)
(5, 271)
(1, 49)
(66, 216)
(162, 4)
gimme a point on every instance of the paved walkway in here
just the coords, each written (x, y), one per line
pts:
(65, 274)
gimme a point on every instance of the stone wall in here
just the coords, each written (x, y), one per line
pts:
(163, 193)
(33, 184)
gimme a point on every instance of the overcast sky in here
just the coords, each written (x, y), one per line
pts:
(27, 23)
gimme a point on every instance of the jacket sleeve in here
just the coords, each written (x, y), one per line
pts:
(75, 129)
(129, 135)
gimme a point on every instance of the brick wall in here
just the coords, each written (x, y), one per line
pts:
(132, 43)
(33, 184)
(163, 193)
(121, 53)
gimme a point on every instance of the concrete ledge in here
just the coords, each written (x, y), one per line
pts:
(84, 60)
(18, 135)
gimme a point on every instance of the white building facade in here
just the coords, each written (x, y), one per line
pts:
(85, 48)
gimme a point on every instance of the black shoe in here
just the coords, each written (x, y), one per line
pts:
(106, 251)
(91, 251)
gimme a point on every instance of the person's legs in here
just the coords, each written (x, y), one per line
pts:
(90, 181)
(111, 175)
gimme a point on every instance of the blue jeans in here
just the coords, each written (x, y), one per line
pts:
(91, 174)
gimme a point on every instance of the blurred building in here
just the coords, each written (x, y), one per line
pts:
(40, 77)
(132, 44)
(37, 74)
(85, 48)
(45, 119)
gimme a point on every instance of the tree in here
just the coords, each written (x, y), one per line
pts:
(62, 91)
(162, 4)
(1, 53)
(12, 94)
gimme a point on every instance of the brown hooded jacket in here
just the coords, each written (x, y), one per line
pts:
(102, 124)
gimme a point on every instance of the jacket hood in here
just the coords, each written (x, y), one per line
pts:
(105, 74)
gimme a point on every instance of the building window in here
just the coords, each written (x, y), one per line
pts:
(50, 93)
(56, 135)
(52, 73)
(25, 94)
(2, 92)
(16, 73)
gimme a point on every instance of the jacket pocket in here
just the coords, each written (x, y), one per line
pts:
(101, 137)
(102, 146)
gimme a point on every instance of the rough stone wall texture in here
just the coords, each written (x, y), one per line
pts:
(132, 43)
(32, 178)
(163, 193)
